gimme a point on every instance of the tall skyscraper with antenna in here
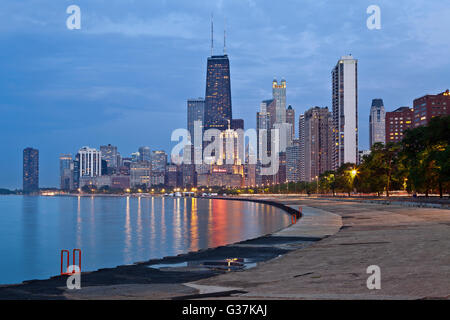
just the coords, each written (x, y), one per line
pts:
(218, 89)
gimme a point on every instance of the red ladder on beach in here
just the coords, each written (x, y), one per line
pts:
(68, 260)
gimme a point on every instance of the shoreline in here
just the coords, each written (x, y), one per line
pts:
(325, 256)
(421, 201)
(409, 244)
(187, 256)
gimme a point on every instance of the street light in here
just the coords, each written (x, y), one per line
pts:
(317, 185)
(353, 174)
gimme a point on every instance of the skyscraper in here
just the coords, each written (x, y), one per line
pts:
(269, 106)
(301, 138)
(159, 161)
(263, 133)
(218, 93)
(279, 95)
(109, 154)
(285, 131)
(280, 176)
(195, 112)
(30, 170)
(135, 156)
(318, 139)
(145, 154)
(237, 124)
(377, 116)
(345, 111)
(76, 172)
(293, 162)
(66, 168)
(284, 128)
(90, 162)
(290, 118)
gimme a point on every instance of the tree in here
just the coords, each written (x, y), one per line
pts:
(328, 182)
(389, 157)
(345, 176)
(426, 156)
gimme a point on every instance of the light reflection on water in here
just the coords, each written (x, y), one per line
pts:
(112, 231)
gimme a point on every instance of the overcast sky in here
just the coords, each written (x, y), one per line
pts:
(125, 76)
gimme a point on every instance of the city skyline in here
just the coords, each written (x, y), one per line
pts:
(116, 111)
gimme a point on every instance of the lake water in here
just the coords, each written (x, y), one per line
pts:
(113, 231)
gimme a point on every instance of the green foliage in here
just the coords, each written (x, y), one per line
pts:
(380, 170)
(426, 156)
(327, 182)
(345, 177)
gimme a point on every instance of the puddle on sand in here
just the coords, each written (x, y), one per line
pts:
(168, 265)
(246, 264)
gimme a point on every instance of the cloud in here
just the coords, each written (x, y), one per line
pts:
(172, 25)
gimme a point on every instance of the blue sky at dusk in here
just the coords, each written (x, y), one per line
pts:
(124, 78)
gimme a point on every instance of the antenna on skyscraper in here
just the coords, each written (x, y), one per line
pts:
(212, 34)
(225, 37)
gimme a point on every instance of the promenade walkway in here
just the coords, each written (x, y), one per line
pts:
(410, 245)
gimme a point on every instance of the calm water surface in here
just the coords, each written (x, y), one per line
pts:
(113, 231)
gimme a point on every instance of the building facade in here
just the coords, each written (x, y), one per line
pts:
(30, 170)
(218, 109)
(397, 122)
(237, 124)
(430, 106)
(345, 111)
(361, 155)
(90, 162)
(279, 95)
(270, 107)
(66, 168)
(110, 155)
(144, 154)
(195, 115)
(290, 118)
(172, 176)
(140, 174)
(318, 142)
(263, 134)
(293, 161)
(377, 118)
(301, 138)
(159, 161)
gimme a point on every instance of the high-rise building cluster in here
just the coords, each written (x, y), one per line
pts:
(326, 139)
(217, 154)
(106, 168)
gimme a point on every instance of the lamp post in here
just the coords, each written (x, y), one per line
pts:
(317, 185)
(353, 174)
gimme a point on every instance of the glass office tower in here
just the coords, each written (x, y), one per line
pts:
(218, 93)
